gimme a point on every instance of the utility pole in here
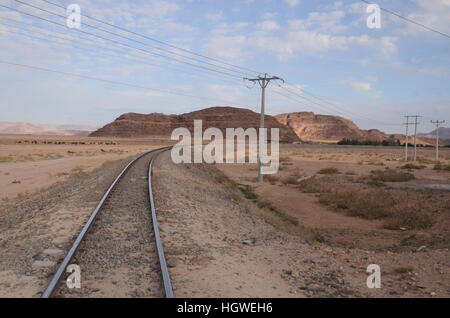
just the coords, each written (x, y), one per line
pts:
(406, 138)
(415, 136)
(263, 81)
(438, 123)
(415, 123)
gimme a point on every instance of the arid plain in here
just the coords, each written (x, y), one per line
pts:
(311, 230)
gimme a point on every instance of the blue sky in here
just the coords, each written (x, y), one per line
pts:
(372, 76)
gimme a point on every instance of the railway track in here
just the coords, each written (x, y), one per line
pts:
(119, 250)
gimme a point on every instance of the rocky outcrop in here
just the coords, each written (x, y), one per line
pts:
(310, 127)
(324, 128)
(139, 125)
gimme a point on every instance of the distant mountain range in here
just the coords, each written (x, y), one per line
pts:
(444, 134)
(36, 129)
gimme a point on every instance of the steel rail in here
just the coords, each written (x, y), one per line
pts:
(57, 276)
(159, 246)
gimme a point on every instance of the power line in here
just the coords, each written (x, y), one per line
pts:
(335, 109)
(158, 41)
(411, 21)
(115, 82)
(89, 49)
(121, 44)
(133, 40)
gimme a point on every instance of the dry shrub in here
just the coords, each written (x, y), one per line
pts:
(77, 172)
(368, 204)
(411, 166)
(6, 159)
(441, 167)
(285, 159)
(289, 180)
(379, 204)
(272, 179)
(313, 185)
(425, 160)
(390, 175)
(330, 170)
(409, 218)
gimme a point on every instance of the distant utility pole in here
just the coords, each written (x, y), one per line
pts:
(406, 137)
(415, 123)
(438, 123)
(263, 81)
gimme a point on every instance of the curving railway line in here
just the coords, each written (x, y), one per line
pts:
(119, 250)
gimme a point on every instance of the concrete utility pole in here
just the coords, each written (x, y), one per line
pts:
(263, 81)
(406, 138)
(415, 136)
(415, 123)
(438, 123)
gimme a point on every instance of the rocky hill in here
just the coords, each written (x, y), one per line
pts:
(444, 134)
(310, 127)
(139, 125)
(324, 128)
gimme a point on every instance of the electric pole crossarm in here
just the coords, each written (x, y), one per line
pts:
(263, 81)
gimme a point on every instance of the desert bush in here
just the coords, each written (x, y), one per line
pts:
(313, 185)
(5, 159)
(390, 175)
(441, 167)
(330, 170)
(368, 204)
(409, 218)
(289, 180)
(272, 179)
(411, 166)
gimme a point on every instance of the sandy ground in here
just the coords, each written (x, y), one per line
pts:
(219, 243)
(47, 220)
(39, 225)
(26, 167)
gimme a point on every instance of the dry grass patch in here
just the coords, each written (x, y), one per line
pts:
(368, 204)
(390, 175)
(272, 179)
(5, 159)
(441, 167)
(330, 170)
(411, 166)
(409, 219)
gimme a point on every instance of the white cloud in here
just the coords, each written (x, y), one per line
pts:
(361, 86)
(268, 26)
(173, 27)
(292, 3)
(214, 16)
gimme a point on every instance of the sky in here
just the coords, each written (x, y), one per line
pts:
(332, 63)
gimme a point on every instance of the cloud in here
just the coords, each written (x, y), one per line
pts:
(361, 86)
(214, 16)
(292, 3)
(268, 26)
